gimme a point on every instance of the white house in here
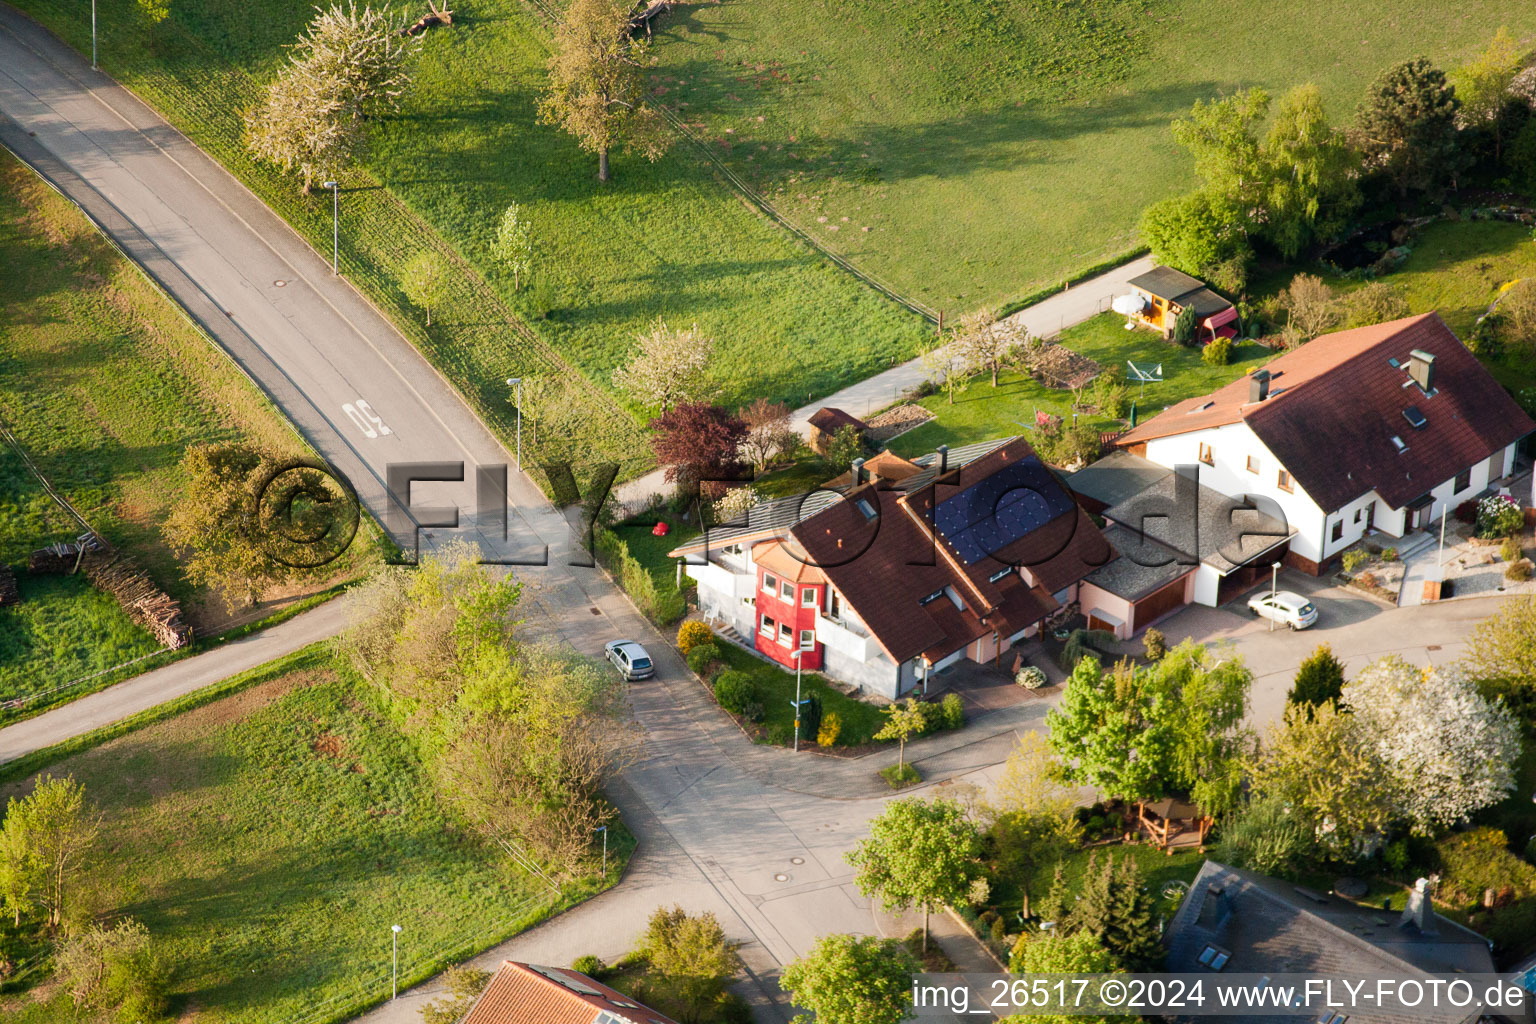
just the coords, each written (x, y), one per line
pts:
(1383, 427)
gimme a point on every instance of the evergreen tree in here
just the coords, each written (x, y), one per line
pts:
(1406, 128)
(1319, 679)
(1115, 908)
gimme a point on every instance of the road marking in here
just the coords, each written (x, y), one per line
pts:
(368, 421)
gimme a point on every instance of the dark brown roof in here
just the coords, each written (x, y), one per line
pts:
(1178, 287)
(829, 420)
(894, 568)
(529, 994)
(1336, 402)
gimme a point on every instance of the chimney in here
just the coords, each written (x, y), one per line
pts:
(1420, 911)
(1421, 367)
(943, 451)
(1258, 386)
(858, 472)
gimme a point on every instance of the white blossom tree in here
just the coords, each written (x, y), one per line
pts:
(734, 504)
(361, 50)
(1447, 750)
(668, 366)
(304, 124)
(513, 247)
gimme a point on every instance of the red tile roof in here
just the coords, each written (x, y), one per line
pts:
(529, 994)
(1336, 402)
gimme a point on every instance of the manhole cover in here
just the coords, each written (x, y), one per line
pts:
(594, 611)
(781, 877)
(1432, 647)
(279, 284)
(797, 860)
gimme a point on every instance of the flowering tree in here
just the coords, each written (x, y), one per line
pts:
(1446, 749)
(668, 366)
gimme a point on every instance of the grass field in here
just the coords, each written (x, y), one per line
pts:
(983, 412)
(270, 839)
(971, 152)
(660, 240)
(105, 384)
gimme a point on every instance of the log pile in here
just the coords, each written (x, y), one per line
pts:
(8, 593)
(435, 17)
(54, 560)
(144, 602)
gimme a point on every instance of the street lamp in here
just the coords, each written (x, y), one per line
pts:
(1274, 590)
(604, 830)
(93, 35)
(335, 225)
(796, 656)
(394, 961)
(517, 382)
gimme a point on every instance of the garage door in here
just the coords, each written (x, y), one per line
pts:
(1159, 602)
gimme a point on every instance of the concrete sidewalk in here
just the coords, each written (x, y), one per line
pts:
(1073, 305)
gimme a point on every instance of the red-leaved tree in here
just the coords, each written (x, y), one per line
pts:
(697, 441)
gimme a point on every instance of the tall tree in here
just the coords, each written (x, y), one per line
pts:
(948, 366)
(846, 444)
(1195, 232)
(1222, 137)
(513, 248)
(983, 341)
(692, 956)
(918, 854)
(697, 441)
(768, 432)
(1115, 907)
(425, 281)
(58, 828)
(1406, 128)
(1448, 751)
(1503, 646)
(668, 366)
(22, 874)
(1322, 764)
(304, 124)
(1309, 174)
(1310, 309)
(1032, 811)
(596, 89)
(1319, 679)
(1483, 86)
(360, 50)
(1054, 953)
(848, 979)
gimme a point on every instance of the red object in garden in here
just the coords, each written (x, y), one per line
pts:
(660, 530)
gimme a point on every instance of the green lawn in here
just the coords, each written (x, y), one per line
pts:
(971, 152)
(105, 384)
(776, 692)
(660, 240)
(983, 412)
(270, 839)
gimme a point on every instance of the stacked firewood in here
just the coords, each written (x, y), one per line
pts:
(144, 602)
(8, 592)
(54, 559)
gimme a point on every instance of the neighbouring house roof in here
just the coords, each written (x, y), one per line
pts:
(898, 556)
(529, 994)
(1127, 576)
(1223, 532)
(1267, 926)
(883, 465)
(1178, 287)
(1114, 478)
(786, 562)
(1336, 403)
(830, 420)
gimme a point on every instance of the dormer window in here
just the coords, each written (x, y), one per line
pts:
(999, 574)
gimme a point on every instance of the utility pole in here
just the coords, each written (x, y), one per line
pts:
(335, 225)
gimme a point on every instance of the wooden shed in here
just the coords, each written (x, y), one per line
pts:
(827, 421)
(1166, 292)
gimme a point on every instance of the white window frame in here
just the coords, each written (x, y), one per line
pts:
(807, 639)
(807, 597)
(770, 584)
(786, 592)
(767, 627)
(786, 635)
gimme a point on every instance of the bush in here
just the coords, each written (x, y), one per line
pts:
(1518, 572)
(1155, 644)
(810, 718)
(702, 656)
(1111, 396)
(1479, 859)
(999, 932)
(1184, 329)
(693, 633)
(1466, 512)
(1354, 558)
(1217, 352)
(1510, 550)
(730, 1008)
(1372, 303)
(831, 728)
(779, 734)
(589, 965)
(1389, 554)
(1396, 855)
(662, 606)
(734, 691)
(1030, 677)
(953, 709)
(1499, 515)
(932, 715)
(1085, 643)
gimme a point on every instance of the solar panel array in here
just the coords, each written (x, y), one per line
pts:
(993, 513)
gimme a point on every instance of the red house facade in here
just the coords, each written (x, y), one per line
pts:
(789, 594)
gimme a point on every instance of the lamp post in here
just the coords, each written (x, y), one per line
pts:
(1440, 558)
(797, 654)
(604, 830)
(394, 961)
(517, 382)
(1274, 590)
(93, 35)
(335, 224)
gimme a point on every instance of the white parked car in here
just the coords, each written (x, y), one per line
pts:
(1285, 607)
(630, 659)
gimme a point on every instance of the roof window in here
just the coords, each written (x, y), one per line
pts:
(1415, 418)
(1213, 958)
(865, 507)
(1399, 444)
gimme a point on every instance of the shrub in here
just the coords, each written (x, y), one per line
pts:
(932, 715)
(986, 917)
(810, 718)
(1499, 515)
(1389, 554)
(1466, 512)
(734, 691)
(1480, 859)
(1217, 352)
(1518, 572)
(1111, 396)
(1155, 644)
(1030, 677)
(702, 656)
(752, 711)
(1510, 550)
(779, 734)
(589, 965)
(831, 728)
(1396, 855)
(954, 711)
(999, 931)
(730, 1008)
(1083, 643)
(1354, 558)
(1184, 327)
(693, 633)
(1372, 303)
